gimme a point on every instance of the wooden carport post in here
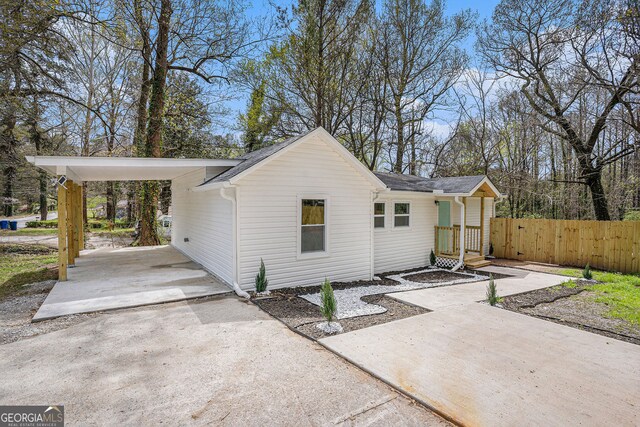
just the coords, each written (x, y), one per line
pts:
(62, 233)
(71, 252)
(81, 219)
(77, 220)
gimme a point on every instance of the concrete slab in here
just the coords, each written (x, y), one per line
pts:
(111, 278)
(219, 362)
(482, 365)
(467, 293)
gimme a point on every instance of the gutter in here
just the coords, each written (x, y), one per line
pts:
(463, 224)
(234, 226)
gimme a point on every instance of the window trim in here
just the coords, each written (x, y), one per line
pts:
(401, 227)
(383, 216)
(327, 207)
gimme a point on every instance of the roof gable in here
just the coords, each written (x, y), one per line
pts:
(256, 159)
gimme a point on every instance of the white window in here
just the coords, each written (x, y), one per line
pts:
(401, 214)
(313, 225)
(378, 215)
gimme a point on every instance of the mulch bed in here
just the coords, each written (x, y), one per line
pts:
(572, 306)
(303, 316)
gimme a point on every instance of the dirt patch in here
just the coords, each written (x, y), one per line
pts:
(17, 311)
(303, 316)
(575, 307)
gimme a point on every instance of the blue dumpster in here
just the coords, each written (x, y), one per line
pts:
(13, 225)
(4, 224)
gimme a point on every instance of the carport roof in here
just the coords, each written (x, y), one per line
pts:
(126, 168)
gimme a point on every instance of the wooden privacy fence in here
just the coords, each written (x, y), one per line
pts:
(606, 245)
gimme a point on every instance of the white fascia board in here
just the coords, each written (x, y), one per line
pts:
(487, 181)
(71, 161)
(211, 186)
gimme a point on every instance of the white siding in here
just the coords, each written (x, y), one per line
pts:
(268, 218)
(205, 219)
(406, 247)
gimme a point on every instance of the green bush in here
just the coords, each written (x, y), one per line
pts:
(261, 278)
(328, 299)
(432, 258)
(492, 291)
(586, 273)
(633, 215)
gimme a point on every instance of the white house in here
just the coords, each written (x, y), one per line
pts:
(308, 208)
(311, 210)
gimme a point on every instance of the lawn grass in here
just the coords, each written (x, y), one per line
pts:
(620, 292)
(33, 232)
(23, 264)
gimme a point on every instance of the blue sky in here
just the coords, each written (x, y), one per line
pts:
(260, 8)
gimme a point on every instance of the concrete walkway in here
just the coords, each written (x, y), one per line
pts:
(522, 281)
(220, 362)
(482, 365)
(108, 278)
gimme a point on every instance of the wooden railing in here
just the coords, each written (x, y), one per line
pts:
(448, 239)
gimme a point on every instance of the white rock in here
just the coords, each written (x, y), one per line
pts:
(330, 327)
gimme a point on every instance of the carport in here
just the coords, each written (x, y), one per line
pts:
(126, 277)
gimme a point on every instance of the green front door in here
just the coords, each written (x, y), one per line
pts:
(444, 220)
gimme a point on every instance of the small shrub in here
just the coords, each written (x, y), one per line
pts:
(490, 248)
(432, 258)
(329, 304)
(492, 291)
(586, 273)
(261, 278)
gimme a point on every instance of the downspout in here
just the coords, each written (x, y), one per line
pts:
(234, 226)
(462, 230)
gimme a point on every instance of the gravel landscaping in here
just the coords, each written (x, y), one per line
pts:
(360, 304)
(350, 303)
(573, 306)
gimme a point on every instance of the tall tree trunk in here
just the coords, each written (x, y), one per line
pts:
(38, 143)
(399, 164)
(8, 148)
(150, 189)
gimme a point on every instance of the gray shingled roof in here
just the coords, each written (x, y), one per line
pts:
(456, 184)
(253, 158)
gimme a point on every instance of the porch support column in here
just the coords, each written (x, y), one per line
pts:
(62, 233)
(71, 252)
(463, 225)
(81, 218)
(481, 225)
(77, 219)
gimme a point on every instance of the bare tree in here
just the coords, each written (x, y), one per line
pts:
(421, 61)
(561, 51)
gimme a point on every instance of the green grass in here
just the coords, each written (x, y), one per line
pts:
(32, 232)
(619, 292)
(23, 264)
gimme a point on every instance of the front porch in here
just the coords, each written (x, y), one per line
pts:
(461, 232)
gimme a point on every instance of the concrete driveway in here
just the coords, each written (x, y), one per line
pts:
(112, 278)
(202, 362)
(486, 366)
